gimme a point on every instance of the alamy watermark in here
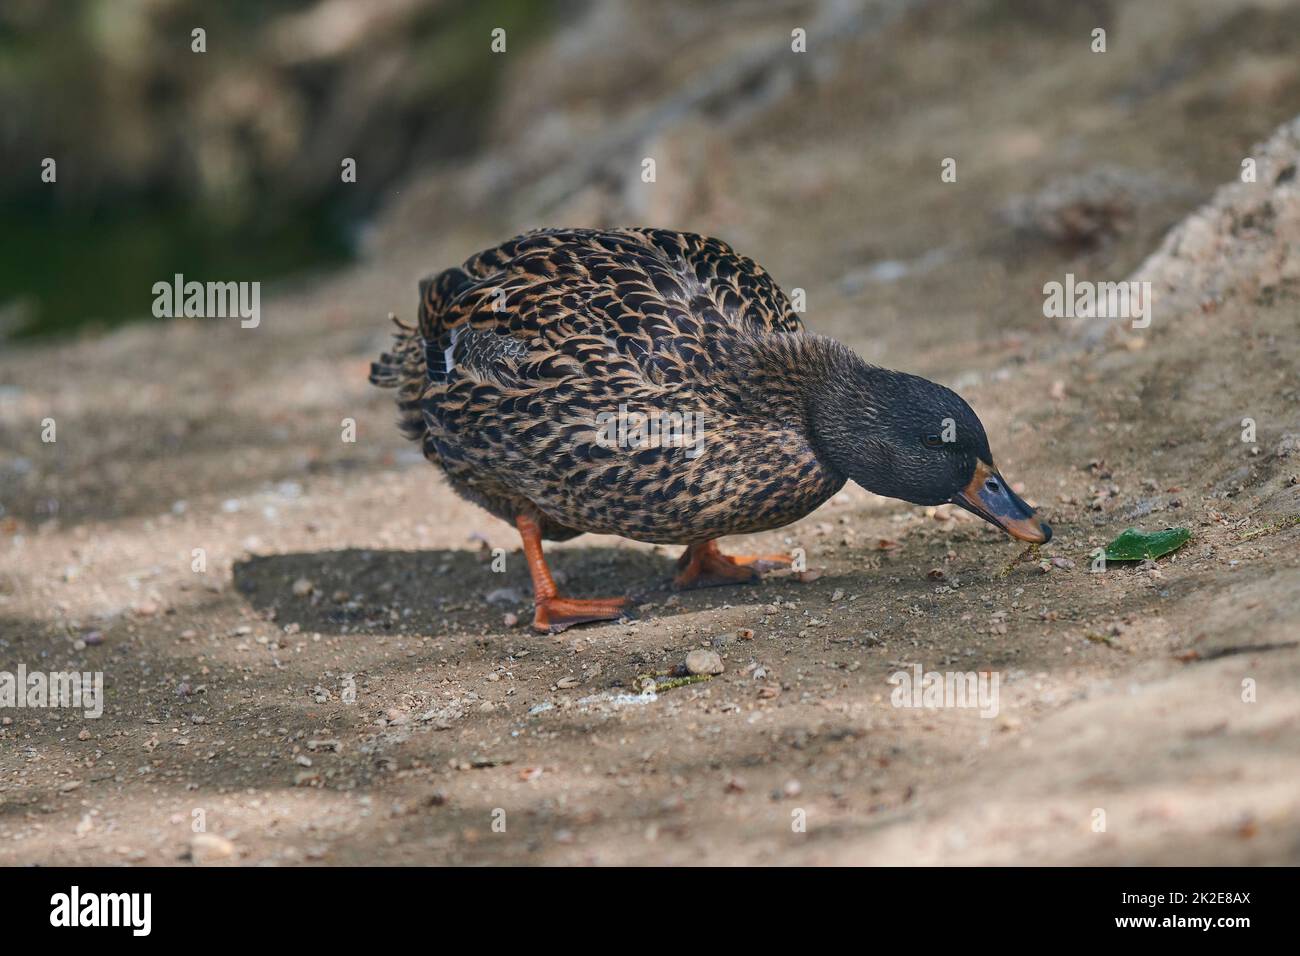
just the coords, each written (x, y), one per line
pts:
(932, 690)
(42, 689)
(75, 908)
(209, 300)
(1083, 299)
(654, 429)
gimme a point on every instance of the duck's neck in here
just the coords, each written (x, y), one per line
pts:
(824, 386)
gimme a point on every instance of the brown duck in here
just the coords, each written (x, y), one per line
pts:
(657, 385)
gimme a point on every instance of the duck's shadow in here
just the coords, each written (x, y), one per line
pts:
(367, 591)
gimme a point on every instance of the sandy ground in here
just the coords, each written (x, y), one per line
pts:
(298, 646)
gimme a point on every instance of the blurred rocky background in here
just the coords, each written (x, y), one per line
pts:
(226, 163)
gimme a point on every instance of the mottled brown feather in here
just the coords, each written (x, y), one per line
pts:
(518, 351)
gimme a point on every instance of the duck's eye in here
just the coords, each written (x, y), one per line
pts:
(933, 441)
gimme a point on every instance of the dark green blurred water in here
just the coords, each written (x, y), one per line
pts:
(59, 273)
(222, 165)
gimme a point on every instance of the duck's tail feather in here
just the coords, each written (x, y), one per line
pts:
(403, 369)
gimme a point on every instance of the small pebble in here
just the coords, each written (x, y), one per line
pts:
(504, 596)
(208, 847)
(703, 662)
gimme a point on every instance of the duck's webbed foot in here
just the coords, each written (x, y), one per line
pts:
(554, 613)
(703, 566)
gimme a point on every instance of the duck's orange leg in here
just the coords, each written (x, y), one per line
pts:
(703, 565)
(554, 613)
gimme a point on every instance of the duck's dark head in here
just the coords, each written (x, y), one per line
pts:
(906, 437)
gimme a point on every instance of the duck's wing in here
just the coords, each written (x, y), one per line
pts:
(667, 302)
(735, 286)
(698, 268)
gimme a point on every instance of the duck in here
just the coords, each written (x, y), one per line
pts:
(657, 385)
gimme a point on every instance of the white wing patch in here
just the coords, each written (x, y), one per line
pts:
(449, 353)
(474, 353)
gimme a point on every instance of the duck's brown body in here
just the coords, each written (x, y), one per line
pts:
(530, 362)
(524, 354)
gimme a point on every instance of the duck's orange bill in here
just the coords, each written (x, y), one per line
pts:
(989, 496)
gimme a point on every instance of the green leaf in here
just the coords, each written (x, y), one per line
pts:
(1135, 545)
